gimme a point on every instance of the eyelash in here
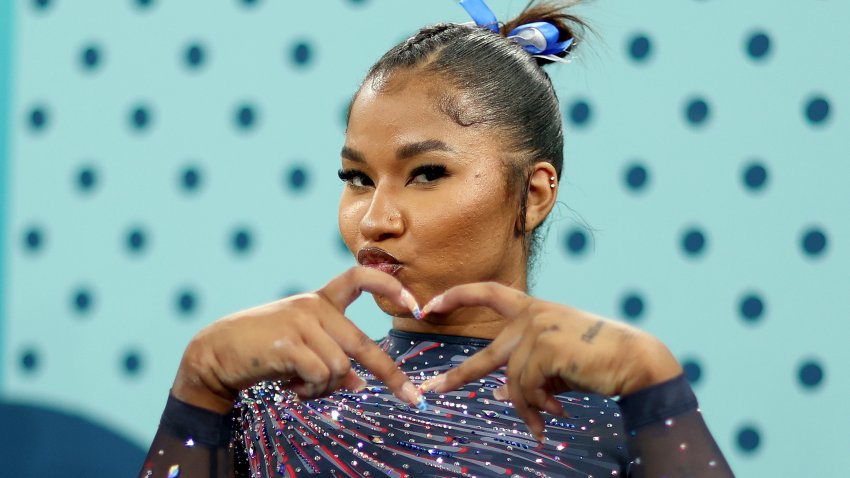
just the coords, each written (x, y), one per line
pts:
(432, 173)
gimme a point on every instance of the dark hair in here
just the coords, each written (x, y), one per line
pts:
(501, 86)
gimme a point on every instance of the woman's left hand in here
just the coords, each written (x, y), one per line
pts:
(551, 348)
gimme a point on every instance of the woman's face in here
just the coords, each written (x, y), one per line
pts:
(425, 198)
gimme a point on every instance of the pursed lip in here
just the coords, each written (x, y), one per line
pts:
(377, 258)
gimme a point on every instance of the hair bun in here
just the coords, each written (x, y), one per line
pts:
(568, 25)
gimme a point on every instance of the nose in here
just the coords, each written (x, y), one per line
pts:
(383, 220)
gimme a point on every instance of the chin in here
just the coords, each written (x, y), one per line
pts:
(391, 308)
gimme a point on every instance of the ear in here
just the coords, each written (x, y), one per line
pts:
(542, 193)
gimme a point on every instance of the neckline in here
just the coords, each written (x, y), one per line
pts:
(449, 339)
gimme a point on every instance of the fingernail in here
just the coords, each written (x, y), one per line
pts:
(410, 302)
(412, 395)
(432, 304)
(433, 383)
(501, 393)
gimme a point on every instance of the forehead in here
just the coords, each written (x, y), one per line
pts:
(411, 107)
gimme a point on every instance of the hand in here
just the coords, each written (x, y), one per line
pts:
(551, 348)
(305, 340)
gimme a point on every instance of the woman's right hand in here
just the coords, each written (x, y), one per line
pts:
(304, 340)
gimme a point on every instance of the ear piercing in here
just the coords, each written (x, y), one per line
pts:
(552, 182)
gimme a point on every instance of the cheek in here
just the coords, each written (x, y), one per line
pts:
(473, 224)
(350, 214)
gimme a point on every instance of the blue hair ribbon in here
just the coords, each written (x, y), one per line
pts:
(540, 39)
(481, 14)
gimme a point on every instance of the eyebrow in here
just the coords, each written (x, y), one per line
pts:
(406, 151)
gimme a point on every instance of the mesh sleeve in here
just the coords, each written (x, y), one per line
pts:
(667, 435)
(192, 442)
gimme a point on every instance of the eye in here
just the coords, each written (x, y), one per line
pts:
(354, 178)
(427, 173)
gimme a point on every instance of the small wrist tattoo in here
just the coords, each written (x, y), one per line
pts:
(592, 332)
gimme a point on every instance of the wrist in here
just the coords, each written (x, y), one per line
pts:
(653, 364)
(197, 384)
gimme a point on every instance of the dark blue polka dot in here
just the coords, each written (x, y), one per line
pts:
(41, 4)
(693, 242)
(640, 47)
(186, 302)
(632, 306)
(82, 300)
(297, 178)
(90, 57)
(87, 179)
(580, 113)
(814, 242)
(136, 240)
(241, 241)
(697, 111)
(576, 241)
(140, 117)
(33, 239)
(758, 45)
(817, 110)
(38, 118)
(755, 176)
(249, 3)
(245, 117)
(357, 2)
(132, 362)
(810, 374)
(194, 55)
(292, 290)
(693, 370)
(636, 177)
(751, 307)
(748, 438)
(190, 178)
(144, 3)
(302, 53)
(29, 361)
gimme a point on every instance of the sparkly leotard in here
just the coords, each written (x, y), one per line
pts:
(463, 433)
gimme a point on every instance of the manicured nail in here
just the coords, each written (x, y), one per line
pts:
(433, 383)
(411, 304)
(412, 395)
(501, 393)
(432, 304)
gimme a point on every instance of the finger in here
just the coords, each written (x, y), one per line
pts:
(502, 393)
(477, 366)
(334, 358)
(505, 300)
(516, 369)
(310, 370)
(346, 287)
(534, 383)
(360, 347)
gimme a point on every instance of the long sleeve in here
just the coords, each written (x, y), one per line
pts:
(667, 435)
(191, 442)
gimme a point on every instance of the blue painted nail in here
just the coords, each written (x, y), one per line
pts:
(422, 405)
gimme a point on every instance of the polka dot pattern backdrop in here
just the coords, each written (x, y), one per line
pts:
(171, 162)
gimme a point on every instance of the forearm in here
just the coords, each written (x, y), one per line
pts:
(191, 442)
(667, 435)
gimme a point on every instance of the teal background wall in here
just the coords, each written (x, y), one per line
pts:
(165, 163)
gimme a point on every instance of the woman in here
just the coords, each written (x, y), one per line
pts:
(451, 163)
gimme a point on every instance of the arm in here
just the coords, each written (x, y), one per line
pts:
(551, 348)
(667, 435)
(191, 441)
(304, 340)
